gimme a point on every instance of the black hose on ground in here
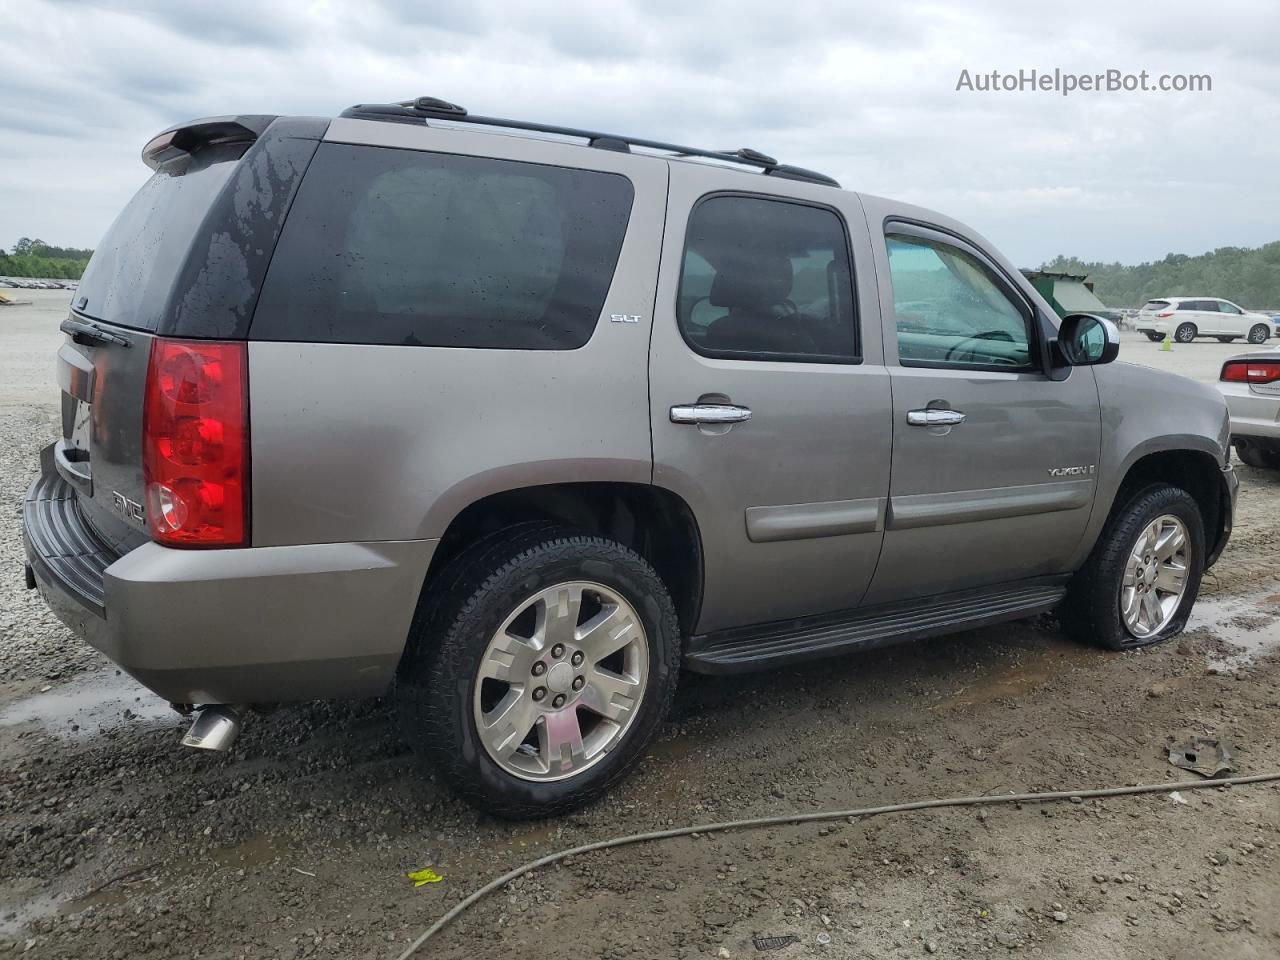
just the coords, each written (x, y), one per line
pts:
(757, 822)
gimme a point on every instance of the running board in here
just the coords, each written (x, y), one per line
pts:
(741, 649)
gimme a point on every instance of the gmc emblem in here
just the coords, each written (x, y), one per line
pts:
(129, 509)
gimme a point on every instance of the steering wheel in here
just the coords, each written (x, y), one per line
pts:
(1002, 336)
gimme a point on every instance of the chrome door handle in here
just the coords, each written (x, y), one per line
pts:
(709, 413)
(934, 418)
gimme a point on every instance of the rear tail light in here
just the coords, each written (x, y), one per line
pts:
(1251, 371)
(195, 426)
(1166, 313)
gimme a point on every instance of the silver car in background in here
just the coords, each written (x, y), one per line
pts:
(1251, 385)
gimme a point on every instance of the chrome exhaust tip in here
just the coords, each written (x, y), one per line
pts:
(215, 727)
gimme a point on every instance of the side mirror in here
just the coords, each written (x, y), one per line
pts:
(1085, 340)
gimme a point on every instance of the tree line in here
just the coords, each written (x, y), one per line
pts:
(35, 258)
(1247, 276)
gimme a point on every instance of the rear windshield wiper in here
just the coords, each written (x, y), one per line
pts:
(83, 332)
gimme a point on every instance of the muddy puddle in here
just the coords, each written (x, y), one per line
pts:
(88, 705)
(1248, 627)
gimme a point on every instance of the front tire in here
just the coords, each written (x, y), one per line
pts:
(541, 667)
(1259, 333)
(1229, 339)
(1185, 333)
(1154, 337)
(1143, 575)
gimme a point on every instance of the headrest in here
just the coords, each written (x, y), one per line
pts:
(759, 280)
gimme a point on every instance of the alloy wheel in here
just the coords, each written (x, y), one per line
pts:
(561, 681)
(1155, 577)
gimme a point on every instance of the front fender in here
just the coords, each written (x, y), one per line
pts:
(1146, 411)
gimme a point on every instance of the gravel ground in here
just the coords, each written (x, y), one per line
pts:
(116, 843)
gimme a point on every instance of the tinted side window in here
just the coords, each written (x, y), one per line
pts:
(427, 249)
(951, 310)
(767, 279)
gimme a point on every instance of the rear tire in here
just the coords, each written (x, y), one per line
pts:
(1154, 337)
(1185, 333)
(1259, 333)
(1092, 611)
(465, 694)
(1227, 339)
(1259, 457)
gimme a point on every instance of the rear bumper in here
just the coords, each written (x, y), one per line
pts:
(1253, 415)
(253, 625)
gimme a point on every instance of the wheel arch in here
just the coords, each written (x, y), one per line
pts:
(1197, 471)
(655, 522)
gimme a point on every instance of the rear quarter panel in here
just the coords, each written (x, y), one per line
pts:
(370, 442)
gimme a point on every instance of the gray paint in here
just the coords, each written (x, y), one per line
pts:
(818, 433)
(1147, 411)
(968, 506)
(364, 442)
(801, 521)
(1018, 426)
(824, 501)
(317, 620)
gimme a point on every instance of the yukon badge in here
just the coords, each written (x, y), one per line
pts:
(1072, 471)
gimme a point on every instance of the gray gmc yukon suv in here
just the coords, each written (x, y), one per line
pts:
(517, 422)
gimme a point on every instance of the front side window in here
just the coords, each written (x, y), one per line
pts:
(767, 279)
(430, 249)
(1224, 306)
(951, 310)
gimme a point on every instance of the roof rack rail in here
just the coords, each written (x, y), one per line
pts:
(423, 109)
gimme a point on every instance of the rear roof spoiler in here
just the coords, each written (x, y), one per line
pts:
(186, 139)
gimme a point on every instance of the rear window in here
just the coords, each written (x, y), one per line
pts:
(1152, 305)
(133, 269)
(394, 246)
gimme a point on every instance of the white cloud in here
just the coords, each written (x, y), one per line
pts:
(865, 92)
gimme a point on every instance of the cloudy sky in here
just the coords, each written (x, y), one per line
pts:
(863, 91)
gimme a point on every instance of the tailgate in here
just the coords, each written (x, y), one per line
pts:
(100, 452)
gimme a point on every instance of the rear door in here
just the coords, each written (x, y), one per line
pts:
(1209, 319)
(769, 401)
(993, 461)
(1193, 312)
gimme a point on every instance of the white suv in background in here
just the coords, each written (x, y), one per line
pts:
(1186, 318)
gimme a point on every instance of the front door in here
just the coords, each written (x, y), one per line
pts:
(1229, 318)
(993, 461)
(769, 401)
